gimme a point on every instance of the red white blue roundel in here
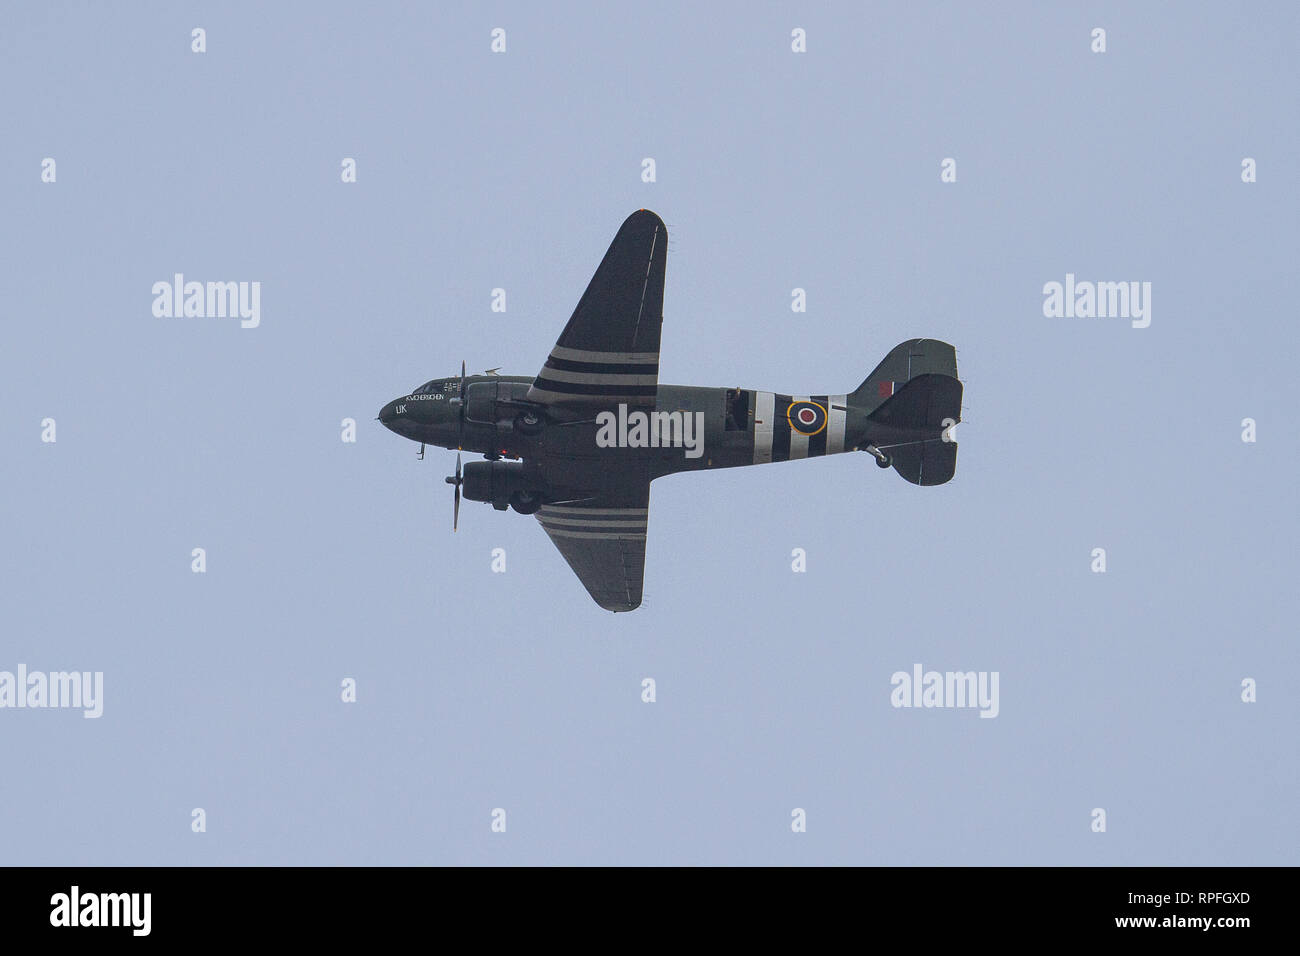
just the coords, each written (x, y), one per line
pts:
(807, 418)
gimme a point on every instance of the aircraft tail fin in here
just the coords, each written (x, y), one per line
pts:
(929, 403)
(904, 363)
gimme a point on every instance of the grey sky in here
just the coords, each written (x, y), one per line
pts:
(775, 170)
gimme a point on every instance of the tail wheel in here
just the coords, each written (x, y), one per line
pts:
(525, 502)
(883, 460)
(529, 422)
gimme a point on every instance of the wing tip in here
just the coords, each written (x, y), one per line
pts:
(648, 214)
(621, 608)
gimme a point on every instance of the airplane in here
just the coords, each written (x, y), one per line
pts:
(578, 445)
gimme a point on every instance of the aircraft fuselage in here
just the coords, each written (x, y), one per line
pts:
(689, 429)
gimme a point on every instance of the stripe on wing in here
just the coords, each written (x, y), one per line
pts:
(570, 521)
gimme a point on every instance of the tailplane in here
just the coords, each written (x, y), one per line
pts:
(925, 402)
(911, 428)
(930, 462)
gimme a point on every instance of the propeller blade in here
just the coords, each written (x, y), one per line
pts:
(455, 480)
(455, 513)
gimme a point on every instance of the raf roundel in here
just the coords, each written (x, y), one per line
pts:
(807, 418)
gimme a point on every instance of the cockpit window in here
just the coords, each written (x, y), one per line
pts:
(428, 387)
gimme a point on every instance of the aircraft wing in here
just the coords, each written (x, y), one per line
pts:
(609, 352)
(603, 539)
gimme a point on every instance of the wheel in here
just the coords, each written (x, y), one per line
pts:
(529, 422)
(884, 462)
(526, 502)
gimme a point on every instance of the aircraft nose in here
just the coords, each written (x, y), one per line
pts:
(387, 413)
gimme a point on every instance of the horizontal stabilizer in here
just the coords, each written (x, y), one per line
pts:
(925, 462)
(928, 404)
(926, 401)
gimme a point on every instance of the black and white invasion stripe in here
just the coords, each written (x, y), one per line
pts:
(776, 440)
(575, 521)
(586, 376)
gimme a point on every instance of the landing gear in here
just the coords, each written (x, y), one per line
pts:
(882, 460)
(526, 502)
(529, 422)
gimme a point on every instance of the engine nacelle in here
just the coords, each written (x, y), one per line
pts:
(494, 481)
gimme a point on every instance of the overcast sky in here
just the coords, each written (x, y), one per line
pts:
(775, 170)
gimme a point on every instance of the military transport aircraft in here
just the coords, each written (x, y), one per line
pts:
(579, 444)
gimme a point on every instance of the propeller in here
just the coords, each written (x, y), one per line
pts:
(457, 481)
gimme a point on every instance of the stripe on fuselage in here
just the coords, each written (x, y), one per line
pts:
(836, 424)
(781, 429)
(775, 440)
(798, 440)
(764, 412)
(817, 443)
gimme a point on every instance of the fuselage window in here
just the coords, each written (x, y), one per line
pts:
(737, 410)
